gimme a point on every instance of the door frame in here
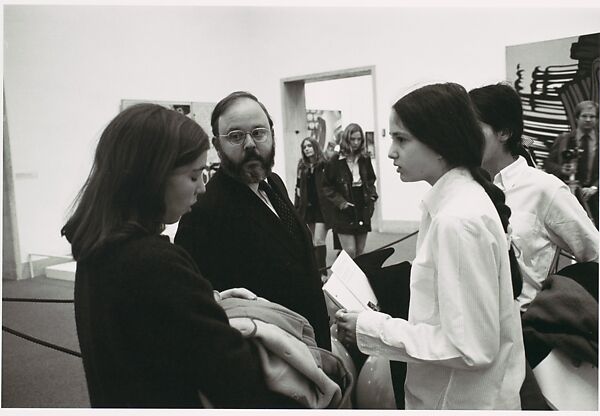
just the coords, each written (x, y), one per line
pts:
(295, 129)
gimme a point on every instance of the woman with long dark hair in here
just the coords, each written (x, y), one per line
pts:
(349, 183)
(462, 341)
(310, 202)
(150, 329)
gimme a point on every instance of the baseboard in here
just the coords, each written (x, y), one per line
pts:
(63, 271)
(398, 226)
(37, 265)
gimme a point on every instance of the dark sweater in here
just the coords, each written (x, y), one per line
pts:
(152, 335)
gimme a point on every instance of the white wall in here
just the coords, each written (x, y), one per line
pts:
(352, 96)
(68, 67)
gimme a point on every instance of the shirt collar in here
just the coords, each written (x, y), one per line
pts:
(507, 177)
(434, 198)
(579, 134)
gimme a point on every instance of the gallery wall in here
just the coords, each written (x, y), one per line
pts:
(66, 69)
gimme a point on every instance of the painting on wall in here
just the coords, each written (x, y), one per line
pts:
(370, 139)
(325, 126)
(198, 111)
(551, 77)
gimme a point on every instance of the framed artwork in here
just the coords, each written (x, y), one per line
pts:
(370, 143)
(551, 77)
(325, 126)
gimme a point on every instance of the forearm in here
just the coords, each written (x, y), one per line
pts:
(399, 340)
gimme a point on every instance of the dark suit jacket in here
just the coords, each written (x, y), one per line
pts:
(553, 163)
(152, 335)
(237, 241)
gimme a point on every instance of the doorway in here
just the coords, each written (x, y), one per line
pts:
(322, 105)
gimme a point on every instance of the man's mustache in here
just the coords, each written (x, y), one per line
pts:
(252, 155)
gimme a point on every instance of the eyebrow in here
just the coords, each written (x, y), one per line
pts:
(200, 168)
(258, 126)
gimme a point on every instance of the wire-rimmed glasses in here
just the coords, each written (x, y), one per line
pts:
(236, 137)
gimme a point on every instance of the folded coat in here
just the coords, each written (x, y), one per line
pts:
(563, 315)
(292, 363)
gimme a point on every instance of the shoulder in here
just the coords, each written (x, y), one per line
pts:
(213, 201)
(153, 251)
(545, 181)
(459, 220)
(334, 159)
(152, 260)
(564, 136)
(473, 228)
(467, 205)
(276, 180)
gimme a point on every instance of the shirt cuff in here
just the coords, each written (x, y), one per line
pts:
(369, 332)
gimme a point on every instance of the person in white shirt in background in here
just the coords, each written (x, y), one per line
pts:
(462, 341)
(545, 214)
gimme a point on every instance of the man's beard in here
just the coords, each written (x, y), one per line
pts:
(255, 171)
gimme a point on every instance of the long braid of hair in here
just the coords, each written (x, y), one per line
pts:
(498, 199)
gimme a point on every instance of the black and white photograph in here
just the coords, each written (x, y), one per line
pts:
(296, 206)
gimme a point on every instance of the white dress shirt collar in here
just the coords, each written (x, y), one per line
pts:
(508, 177)
(435, 197)
(262, 196)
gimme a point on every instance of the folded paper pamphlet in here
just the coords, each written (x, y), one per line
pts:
(348, 287)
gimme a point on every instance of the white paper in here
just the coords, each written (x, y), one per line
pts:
(566, 387)
(348, 286)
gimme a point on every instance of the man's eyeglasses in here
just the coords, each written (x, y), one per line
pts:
(207, 172)
(258, 134)
(205, 175)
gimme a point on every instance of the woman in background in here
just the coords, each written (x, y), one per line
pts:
(349, 183)
(150, 329)
(462, 341)
(545, 214)
(310, 202)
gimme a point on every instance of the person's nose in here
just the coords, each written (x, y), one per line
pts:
(249, 142)
(392, 154)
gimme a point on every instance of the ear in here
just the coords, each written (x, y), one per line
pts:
(217, 145)
(503, 135)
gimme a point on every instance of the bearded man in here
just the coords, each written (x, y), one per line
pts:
(244, 232)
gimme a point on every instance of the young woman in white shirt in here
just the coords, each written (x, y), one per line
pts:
(462, 341)
(545, 214)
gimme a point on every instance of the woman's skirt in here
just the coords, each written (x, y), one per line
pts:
(355, 220)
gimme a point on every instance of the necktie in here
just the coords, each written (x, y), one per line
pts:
(286, 215)
(583, 168)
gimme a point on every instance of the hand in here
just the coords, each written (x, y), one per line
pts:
(587, 192)
(346, 205)
(240, 293)
(346, 325)
(568, 168)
